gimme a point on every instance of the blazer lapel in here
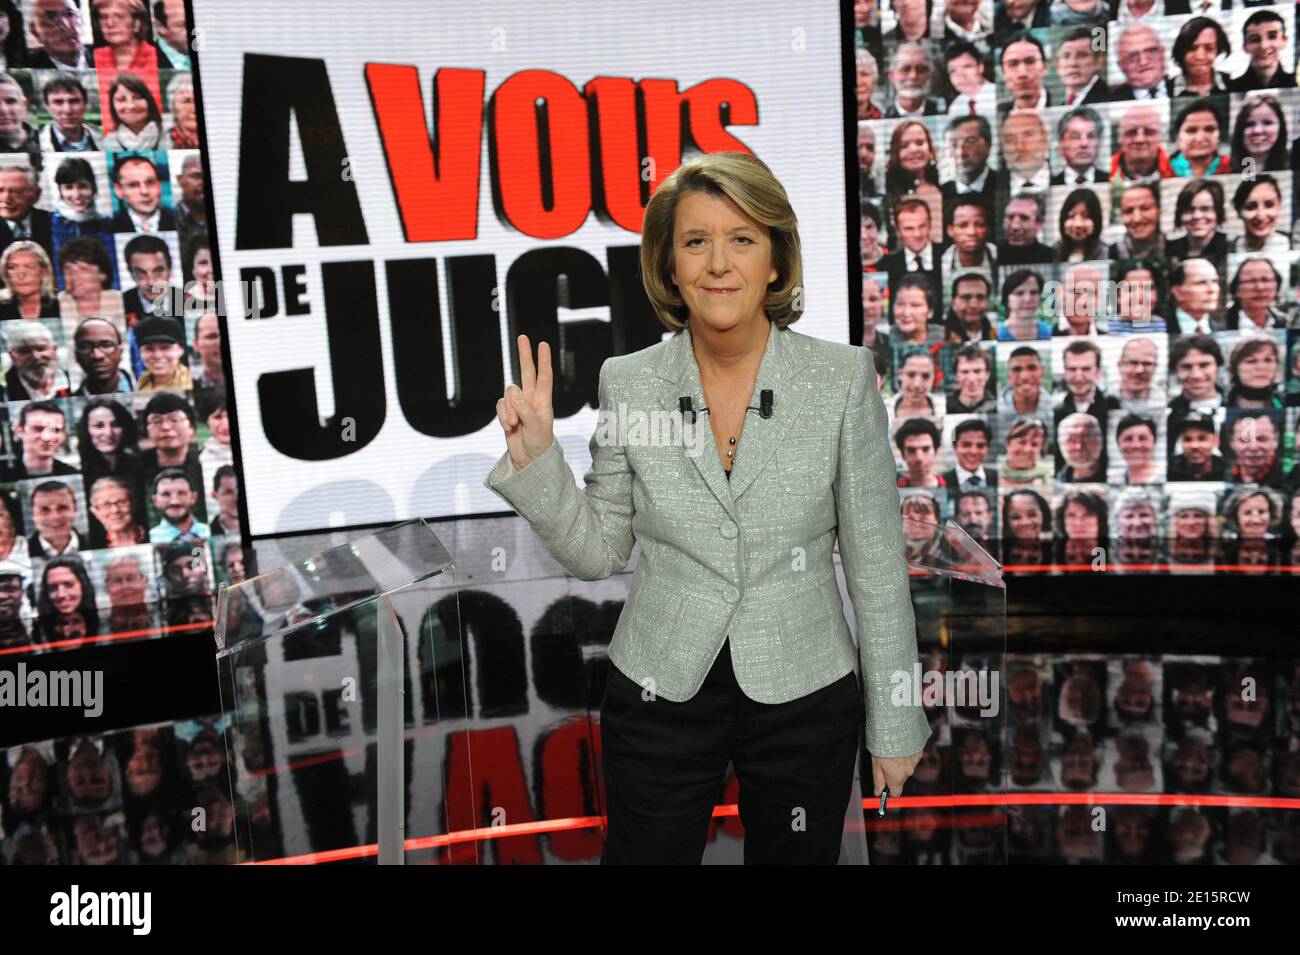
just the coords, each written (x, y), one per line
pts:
(759, 438)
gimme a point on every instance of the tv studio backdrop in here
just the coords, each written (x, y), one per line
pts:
(354, 216)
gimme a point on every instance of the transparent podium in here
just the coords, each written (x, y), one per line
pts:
(377, 711)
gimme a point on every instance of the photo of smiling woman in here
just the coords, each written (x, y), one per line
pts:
(717, 631)
(1259, 203)
(65, 605)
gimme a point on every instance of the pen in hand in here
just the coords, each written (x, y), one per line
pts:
(884, 797)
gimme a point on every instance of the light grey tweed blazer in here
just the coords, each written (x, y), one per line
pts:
(748, 557)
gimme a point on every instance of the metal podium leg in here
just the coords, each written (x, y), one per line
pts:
(392, 768)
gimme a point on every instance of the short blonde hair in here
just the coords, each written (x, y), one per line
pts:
(47, 269)
(748, 182)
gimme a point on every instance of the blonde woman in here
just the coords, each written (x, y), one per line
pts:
(716, 515)
(28, 282)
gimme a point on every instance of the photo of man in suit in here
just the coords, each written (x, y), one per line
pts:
(916, 253)
(1078, 142)
(1142, 61)
(57, 26)
(971, 441)
(1012, 16)
(149, 261)
(970, 140)
(16, 134)
(138, 188)
(911, 76)
(1079, 67)
(19, 217)
(1024, 154)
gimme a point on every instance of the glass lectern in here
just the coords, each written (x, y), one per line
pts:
(379, 712)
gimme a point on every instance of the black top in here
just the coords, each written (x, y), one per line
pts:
(727, 472)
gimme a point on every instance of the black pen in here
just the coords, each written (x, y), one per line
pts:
(884, 797)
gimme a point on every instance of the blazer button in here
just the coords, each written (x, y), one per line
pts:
(733, 593)
(728, 529)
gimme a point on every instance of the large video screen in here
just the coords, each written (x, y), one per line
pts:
(1081, 274)
(117, 479)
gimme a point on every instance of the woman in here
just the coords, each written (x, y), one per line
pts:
(197, 270)
(1253, 367)
(1252, 513)
(29, 282)
(66, 602)
(1260, 135)
(122, 37)
(13, 36)
(1199, 211)
(183, 130)
(1259, 203)
(1137, 301)
(1023, 463)
(75, 213)
(1025, 516)
(1198, 131)
(911, 311)
(911, 159)
(107, 439)
(1080, 225)
(873, 313)
(866, 72)
(1080, 526)
(872, 250)
(113, 505)
(87, 283)
(137, 122)
(13, 545)
(1200, 43)
(721, 264)
(1022, 295)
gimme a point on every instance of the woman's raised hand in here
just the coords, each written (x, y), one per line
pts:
(525, 413)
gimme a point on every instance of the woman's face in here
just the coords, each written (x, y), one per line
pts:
(132, 109)
(116, 21)
(1024, 449)
(1262, 129)
(64, 589)
(219, 425)
(722, 261)
(916, 378)
(914, 152)
(24, 274)
(83, 278)
(1200, 58)
(870, 237)
(1252, 516)
(105, 432)
(873, 304)
(1026, 519)
(1261, 209)
(6, 532)
(183, 111)
(1198, 137)
(911, 314)
(1201, 219)
(203, 268)
(1024, 300)
(1080, 523)
(1190, 523)
(1259, 370)
(1078, 223)
(80, 195)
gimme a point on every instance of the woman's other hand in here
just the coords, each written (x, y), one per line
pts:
(893, 770)
(525, 413)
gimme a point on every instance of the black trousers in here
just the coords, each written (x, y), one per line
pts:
(665, 766)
